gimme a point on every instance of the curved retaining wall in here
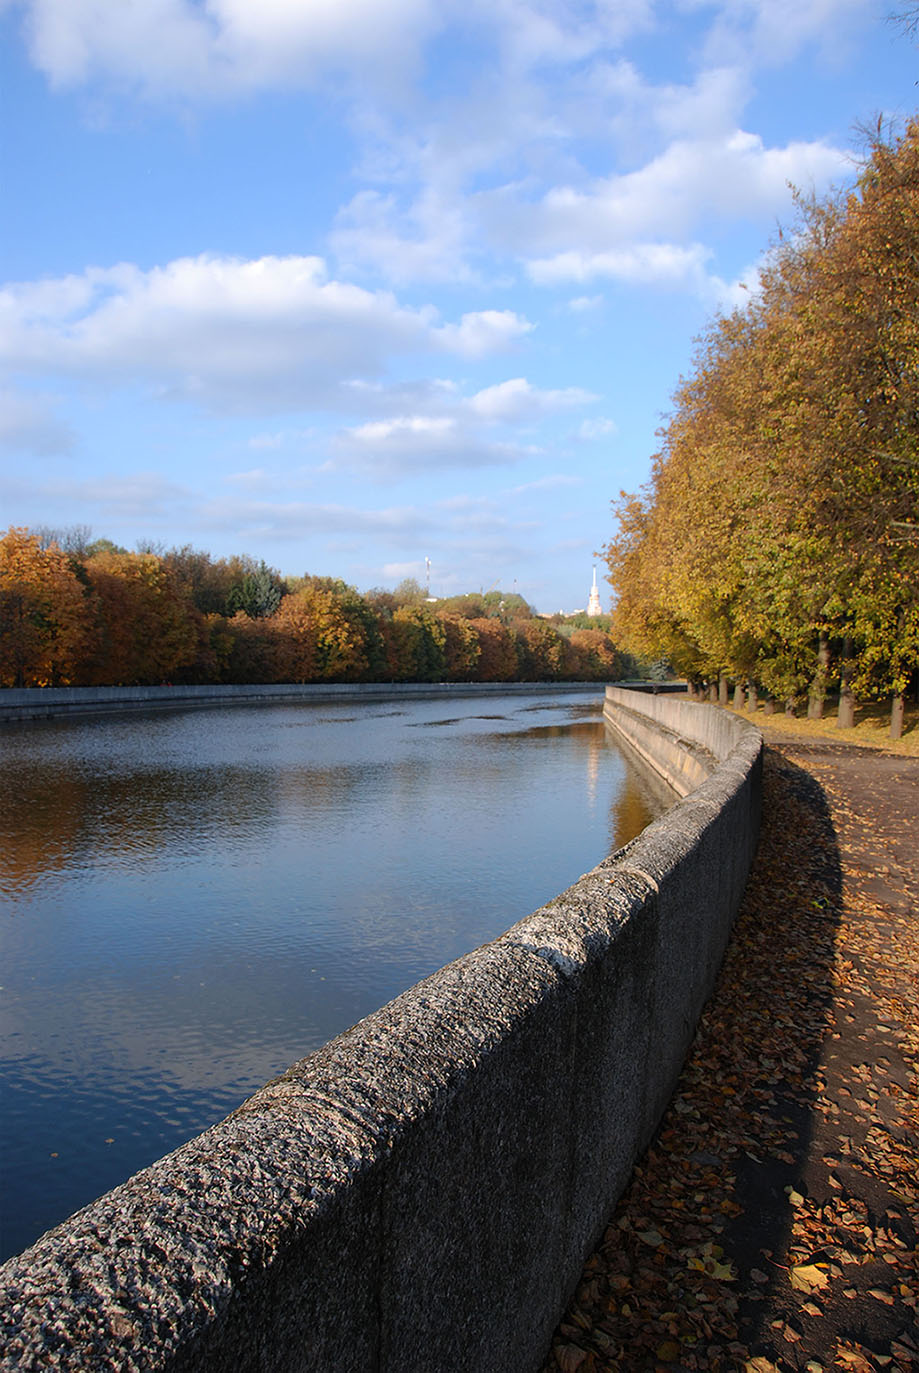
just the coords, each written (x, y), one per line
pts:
(421, 1193)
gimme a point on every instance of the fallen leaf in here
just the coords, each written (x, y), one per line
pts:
(569, 1357)
(808, 1277)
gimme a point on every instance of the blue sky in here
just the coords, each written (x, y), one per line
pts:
(348, 284)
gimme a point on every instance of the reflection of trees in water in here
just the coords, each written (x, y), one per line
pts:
(41, 826)
(57, 817)
(60, 816)
(629, 813)
(640, 798)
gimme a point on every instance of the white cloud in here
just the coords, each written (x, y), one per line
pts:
(286, 519)
(661, 264)
(549, 483)
(170, 47)
(773, 31)
(449, 430)
(581, 304)
(133, 496)
(483, 331)
(419, 443)
(597, 429)
(735, 177)
(425, 242)
(516, 400)
(231, 334)
(205, 48)
(255, 479)
(397, 572)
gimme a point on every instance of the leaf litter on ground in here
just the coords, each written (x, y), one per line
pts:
(772, 1223)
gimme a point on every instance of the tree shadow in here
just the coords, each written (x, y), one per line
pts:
(774, 1003)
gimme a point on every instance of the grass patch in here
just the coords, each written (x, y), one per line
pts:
(871, 728)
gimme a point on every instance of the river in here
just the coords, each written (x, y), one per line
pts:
(192, 901)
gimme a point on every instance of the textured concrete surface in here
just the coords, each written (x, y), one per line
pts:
(421, 1193)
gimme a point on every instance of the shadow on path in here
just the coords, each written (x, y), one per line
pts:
(771, 1223)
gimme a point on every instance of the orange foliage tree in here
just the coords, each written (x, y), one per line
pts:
(594, 655)
(461, 649)
(497, 654)
(149, 630)
(298, 654)
(45, 624)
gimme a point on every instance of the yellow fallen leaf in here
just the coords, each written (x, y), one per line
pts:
(807, 1277)
(760, 1365)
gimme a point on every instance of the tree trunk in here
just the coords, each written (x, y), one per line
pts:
(751, 698)
(738, 696)
(769, 706)
(722, 690)
(896, 716)
(817, 692)
(791, 706)
(845, 716)
(713, 693)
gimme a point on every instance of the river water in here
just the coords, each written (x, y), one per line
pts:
(193, 901)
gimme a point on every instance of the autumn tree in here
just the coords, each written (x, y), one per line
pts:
(45, 613)
(776, 542)
(540, 651)
(461, 648)
(423, 643)
(296, 625)
(497, 660)
(595, 655)
(148, 630)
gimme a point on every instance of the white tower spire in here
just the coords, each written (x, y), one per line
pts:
(593, 605)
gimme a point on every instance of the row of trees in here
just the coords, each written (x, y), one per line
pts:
(79, 613)
(777, 543)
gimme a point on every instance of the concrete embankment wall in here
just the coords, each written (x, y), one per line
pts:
(682, 742)
(421, 1193)
(40, 703)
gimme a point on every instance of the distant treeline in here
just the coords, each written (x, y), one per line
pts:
(81, 613)
(777, 544)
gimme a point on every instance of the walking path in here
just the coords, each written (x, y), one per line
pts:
(772, 1224)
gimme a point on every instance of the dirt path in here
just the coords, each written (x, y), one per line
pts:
(772, 1225)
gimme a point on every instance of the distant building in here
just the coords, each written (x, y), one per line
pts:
(593, 605)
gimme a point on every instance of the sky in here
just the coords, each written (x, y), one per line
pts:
(346, 285)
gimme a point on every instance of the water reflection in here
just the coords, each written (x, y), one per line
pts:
(192, 902)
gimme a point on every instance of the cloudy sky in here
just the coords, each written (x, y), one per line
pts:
(348, 284)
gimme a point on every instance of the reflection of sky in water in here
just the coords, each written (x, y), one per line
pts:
(194, 901)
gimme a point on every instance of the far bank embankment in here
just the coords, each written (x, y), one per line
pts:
(45, 703)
